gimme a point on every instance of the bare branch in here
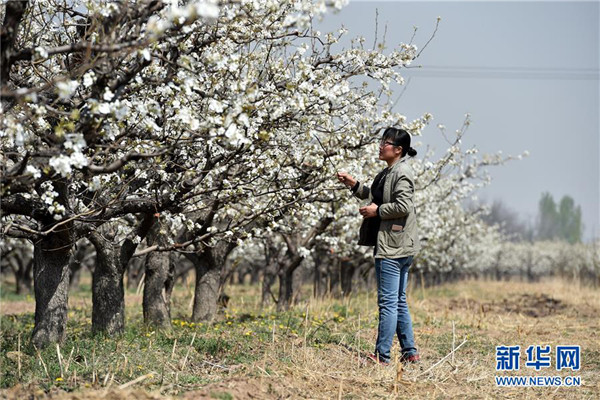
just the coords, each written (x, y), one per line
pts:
(437, 24)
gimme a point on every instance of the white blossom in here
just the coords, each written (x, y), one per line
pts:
(40, 52)
(78, 160)
(108, 95)
(35, 172)
(206, 9)
(61, 164)
(66, 89)
(303, 252)
(95, 184)
(104, 108)
(88, 79)
(146, 54)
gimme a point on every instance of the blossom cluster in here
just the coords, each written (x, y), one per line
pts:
(228, 120)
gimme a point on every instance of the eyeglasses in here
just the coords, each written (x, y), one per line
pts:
(384, 143)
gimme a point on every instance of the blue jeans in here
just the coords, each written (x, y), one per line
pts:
(392, 277)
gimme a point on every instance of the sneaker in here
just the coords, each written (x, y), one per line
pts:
(412, 359)
(377, 360)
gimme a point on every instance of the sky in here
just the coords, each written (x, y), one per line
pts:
(526, 72)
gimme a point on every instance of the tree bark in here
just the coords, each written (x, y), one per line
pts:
(269, 276)
(13, 16)
(51, 256)
(347, 269)
(286, 289)
(158, 285)
(293, 261)
(286, 282)
(320, 273)
(209, 266)
(51, 285)
(334, 273)
(206, 292)
(108, 291)
(317, 286)
(158, 282)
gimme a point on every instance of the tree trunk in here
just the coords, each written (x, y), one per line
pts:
(75, 265)
(158, 282)
(135, 272)
(13, 16)
(158, 285)
(317, 287)
(206, 292)
(334, 272)
(320, 272)
(20, 263)
(23, 276)
(269, 276)
(347, 268)
(51, 286)
(286, 289)
(108, 293)
(293, 260)
(210, 266)
(255, 274)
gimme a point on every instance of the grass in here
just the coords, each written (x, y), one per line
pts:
(311, 350)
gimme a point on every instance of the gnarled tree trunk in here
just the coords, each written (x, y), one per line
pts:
(158, 282)
(108, 294)
(108, 291)
(209, 266)
(158, 285)
(51, 273)
(286, 284)
(206, 294)
(294, 259)
(51, 256)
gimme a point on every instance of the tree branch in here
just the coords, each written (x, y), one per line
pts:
(10, 25)
(120, 163)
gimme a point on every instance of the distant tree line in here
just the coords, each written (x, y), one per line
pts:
(555, 221)
(560, 221)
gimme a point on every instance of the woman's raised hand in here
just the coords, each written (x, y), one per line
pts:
(346, 179)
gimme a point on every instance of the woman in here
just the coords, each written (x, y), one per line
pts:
(389, 224)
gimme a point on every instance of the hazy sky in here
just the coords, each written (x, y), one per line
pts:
(527, 72)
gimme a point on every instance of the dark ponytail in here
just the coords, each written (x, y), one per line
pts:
(400, 138)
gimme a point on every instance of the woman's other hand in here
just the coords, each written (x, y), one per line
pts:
(346, 179)
(369, 211)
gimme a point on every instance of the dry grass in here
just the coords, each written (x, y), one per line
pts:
(319, 357)
(485, 314)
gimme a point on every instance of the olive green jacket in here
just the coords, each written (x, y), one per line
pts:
(398, 232)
